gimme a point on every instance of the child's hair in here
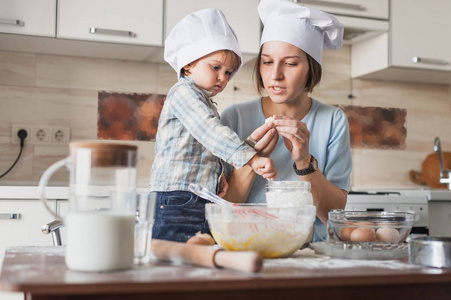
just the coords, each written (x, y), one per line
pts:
(314, 74)
(226, 55)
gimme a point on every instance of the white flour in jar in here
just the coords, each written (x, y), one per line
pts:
(288, 193)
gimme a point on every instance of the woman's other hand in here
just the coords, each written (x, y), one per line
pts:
(296, 137)
(223, 186)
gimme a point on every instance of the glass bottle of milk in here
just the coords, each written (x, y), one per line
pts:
(288, 193)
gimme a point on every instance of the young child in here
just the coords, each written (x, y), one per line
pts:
(191, 142)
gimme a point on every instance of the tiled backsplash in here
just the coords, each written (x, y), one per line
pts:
(132, 117)
(60, 90)
(376, 127)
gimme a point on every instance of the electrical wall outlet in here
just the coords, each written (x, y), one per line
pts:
(15, 129)
(60, 135)
(42, 134)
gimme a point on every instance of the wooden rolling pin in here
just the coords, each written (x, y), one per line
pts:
(207, 256)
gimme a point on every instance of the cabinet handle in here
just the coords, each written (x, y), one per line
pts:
(432, 61)
(125, 33)
(12, 22)
(349, 6)
(9, 216)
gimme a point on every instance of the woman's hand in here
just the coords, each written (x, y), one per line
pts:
(223, 186)
(296, 137)
(266, 137)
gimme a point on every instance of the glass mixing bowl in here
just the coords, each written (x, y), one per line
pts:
(369, 229)
(271, 231)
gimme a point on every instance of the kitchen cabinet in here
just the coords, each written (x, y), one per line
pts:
(428, 19)
(361, 19)
(20, 223)
(129, 22)
(241, 15)
(28, 17)
(357, 8)
(129, 30)
(416, 48)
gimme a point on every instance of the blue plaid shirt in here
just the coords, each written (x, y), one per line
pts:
(191, 142)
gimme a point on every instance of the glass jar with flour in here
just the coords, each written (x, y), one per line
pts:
(288, 193)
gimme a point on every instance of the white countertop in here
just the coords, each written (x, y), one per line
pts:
(62, 192)
(31, 192)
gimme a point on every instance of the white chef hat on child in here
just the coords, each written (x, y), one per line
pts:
(306, 28)
(199, 34)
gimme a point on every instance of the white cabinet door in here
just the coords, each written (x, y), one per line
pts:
(416, 48)
(137, 22)
(241, 15)
(28, 17)
(26, 230)
(421, 29)
(360, 8)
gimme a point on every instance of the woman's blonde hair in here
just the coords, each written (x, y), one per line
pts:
(226, 55)
(314, 74)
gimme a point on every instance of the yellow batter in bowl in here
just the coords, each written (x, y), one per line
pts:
(239, 228)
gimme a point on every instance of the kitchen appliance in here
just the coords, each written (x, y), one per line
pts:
(444, 173)
(394, 200)
(439, 208)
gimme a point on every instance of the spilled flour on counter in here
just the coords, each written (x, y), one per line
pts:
(307, 259)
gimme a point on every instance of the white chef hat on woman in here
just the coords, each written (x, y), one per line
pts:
(306, 28)
(199, 34)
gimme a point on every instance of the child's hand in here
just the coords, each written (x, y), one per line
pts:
(263, 166)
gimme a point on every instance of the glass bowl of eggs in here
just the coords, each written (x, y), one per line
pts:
(373, 233)
(271, 231)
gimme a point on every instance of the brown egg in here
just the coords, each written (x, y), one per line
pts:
(363, 235)
(345, 233)
(388, 235)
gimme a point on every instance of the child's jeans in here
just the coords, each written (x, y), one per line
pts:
(179, 215)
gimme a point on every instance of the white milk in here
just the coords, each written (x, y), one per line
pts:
(99, 241)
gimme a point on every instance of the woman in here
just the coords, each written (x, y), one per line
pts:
(314, 138)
